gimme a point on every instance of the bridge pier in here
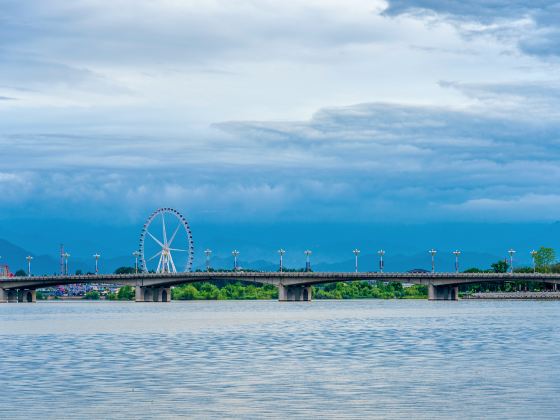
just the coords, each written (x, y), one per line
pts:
(15, 296)
(294, 293)
(12, 295)
(446, 292)
(27, 296)
(153, 294)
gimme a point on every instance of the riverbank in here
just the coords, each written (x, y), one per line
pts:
(515, 295)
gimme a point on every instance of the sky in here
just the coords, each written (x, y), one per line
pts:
(269, 113)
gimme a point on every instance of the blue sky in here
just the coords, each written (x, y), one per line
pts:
(274, 112)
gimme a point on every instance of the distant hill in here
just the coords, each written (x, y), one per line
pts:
(14, 257)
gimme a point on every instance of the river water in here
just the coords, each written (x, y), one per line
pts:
(330, 359)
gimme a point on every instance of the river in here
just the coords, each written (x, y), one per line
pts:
(256, 359)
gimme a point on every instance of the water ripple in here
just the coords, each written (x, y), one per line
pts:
(352, 359)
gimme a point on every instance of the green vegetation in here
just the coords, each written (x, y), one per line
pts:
(366, 290)
(230, 291)
(545, 262)
(93, 295)
(125, 270)
(544, 258)
(352, 290)
(20, 273)
(500, 267)
(124, 293)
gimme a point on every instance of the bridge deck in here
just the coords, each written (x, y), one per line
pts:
(274, 278)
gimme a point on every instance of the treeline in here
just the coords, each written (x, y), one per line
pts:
(229, 291)
(544, 261)
(367, 290)
(342, 290)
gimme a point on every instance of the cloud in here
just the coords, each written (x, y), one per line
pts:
(535, 23)
(322, 110)
(365, 161)
(527, 207)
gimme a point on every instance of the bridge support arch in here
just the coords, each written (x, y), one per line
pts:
(446, 292)
(15, 296)
(27, 296)
(294, 293)
(152, 294)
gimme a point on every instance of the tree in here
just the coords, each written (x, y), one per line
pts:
(185, 292)
(20, 273)
(126, 293)
(544, 258)
(125, 270)
(93, 295)
(500, 267)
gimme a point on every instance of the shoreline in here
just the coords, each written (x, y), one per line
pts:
(514, 295)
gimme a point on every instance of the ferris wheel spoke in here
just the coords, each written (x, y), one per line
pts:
(159, 264)
(172, 263)
(174, 234)
(151, 258)
(155, 239)
(178, 250)
(164, 231)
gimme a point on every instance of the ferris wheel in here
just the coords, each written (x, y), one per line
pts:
(161, 253)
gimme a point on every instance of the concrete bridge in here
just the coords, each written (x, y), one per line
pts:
(293, 287)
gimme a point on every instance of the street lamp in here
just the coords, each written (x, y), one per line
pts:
(533, 255)
(66, 255)
(511, 253)
(29, 258)
(381, 253)
(307, 260)
(96, 256)
(281, 252)
(136, 256)
(235, 254)
(457, 253)
(356, 252)
(208, 252)
(433, 253)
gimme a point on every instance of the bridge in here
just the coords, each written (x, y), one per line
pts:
(292, 287)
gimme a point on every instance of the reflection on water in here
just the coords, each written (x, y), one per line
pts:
(375, 359)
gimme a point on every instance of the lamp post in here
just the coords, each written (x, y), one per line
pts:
(96, 256)
(208, 252)
(136, 256)
(307, 260)
(235, 254)
(433, 253)
(29, 258)
(511, 253)
(533, 255)
(356, 252)
(66, 255)
(381, 253)
(457, 253)
(281, 252)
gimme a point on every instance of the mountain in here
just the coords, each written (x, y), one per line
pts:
(15, 258)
